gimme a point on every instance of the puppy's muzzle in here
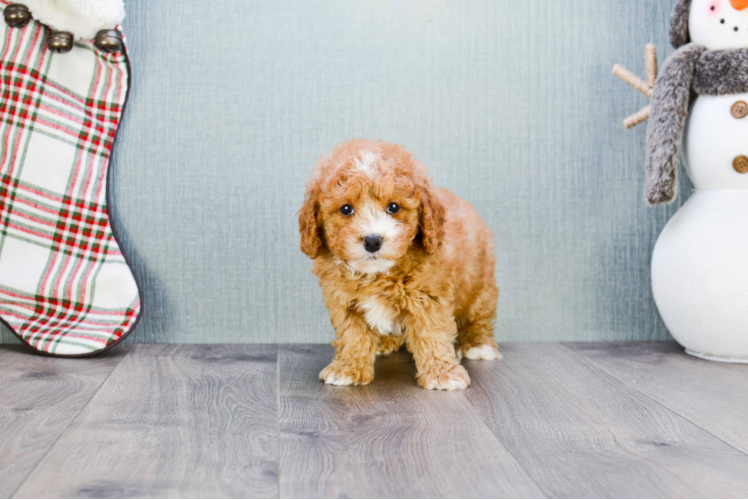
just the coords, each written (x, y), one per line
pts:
(373, 242)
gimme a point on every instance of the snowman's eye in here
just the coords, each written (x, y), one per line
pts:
(712, 7)
(735, 28)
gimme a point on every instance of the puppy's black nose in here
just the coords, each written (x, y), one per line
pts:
(372, 243)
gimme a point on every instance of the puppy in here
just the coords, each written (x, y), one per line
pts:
(398, 261)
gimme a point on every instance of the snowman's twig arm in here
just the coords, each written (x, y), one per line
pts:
(670, 101)
(636, 119)
(633, 80)
(646, 88)
(650, 56)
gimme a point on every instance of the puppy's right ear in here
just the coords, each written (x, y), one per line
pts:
(311, 239)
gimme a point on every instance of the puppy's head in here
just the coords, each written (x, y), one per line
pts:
(369, 203)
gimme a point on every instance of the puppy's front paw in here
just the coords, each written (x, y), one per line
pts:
(449, 378)
(485, 351)
(338, 374)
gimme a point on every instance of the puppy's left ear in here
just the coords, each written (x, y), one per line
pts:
(311, 239)
(431, 220)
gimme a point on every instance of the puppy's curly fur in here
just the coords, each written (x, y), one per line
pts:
(430, 283)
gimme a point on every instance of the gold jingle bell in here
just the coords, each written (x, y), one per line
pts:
(60, 41)
(17, 15)
(109, 41)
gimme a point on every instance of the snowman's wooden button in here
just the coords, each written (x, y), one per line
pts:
(739, 110)
(740, 164)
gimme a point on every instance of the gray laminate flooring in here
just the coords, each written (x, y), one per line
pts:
(549, 420)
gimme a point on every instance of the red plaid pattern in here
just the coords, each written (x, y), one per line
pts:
(65, 287)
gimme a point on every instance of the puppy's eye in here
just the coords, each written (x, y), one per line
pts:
(346, 210)
(393, 208)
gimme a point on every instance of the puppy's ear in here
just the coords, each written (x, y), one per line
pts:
(311, 239)
(431, 220)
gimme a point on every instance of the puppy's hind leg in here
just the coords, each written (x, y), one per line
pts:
(389, 344)
(475, 329)
(475, 341)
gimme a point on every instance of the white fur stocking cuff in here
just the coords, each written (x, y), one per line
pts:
(82, 18)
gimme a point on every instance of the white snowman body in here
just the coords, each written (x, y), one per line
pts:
(700, 261)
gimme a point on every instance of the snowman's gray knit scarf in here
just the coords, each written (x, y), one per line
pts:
(690, 70)
(720, 72)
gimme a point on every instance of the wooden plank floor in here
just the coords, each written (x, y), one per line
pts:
(172, 421)
(550, 420)
(387, 439)
(39, 398)
(660, 372)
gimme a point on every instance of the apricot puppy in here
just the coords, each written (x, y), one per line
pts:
(398, 261)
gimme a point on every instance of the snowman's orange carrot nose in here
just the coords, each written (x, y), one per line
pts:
(739, 4)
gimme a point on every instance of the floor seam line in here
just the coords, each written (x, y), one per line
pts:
(658, 403)
(490, 431)
(277, 415)
(20, 485)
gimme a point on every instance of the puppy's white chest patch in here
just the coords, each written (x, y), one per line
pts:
(380, 317)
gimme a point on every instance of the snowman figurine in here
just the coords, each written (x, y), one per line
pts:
(700, 101)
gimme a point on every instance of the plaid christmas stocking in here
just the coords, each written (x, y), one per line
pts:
(66, 288)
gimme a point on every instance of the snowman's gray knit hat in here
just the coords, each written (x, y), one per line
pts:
(679, 24)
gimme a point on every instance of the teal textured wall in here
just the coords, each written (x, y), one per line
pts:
(510, 104)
